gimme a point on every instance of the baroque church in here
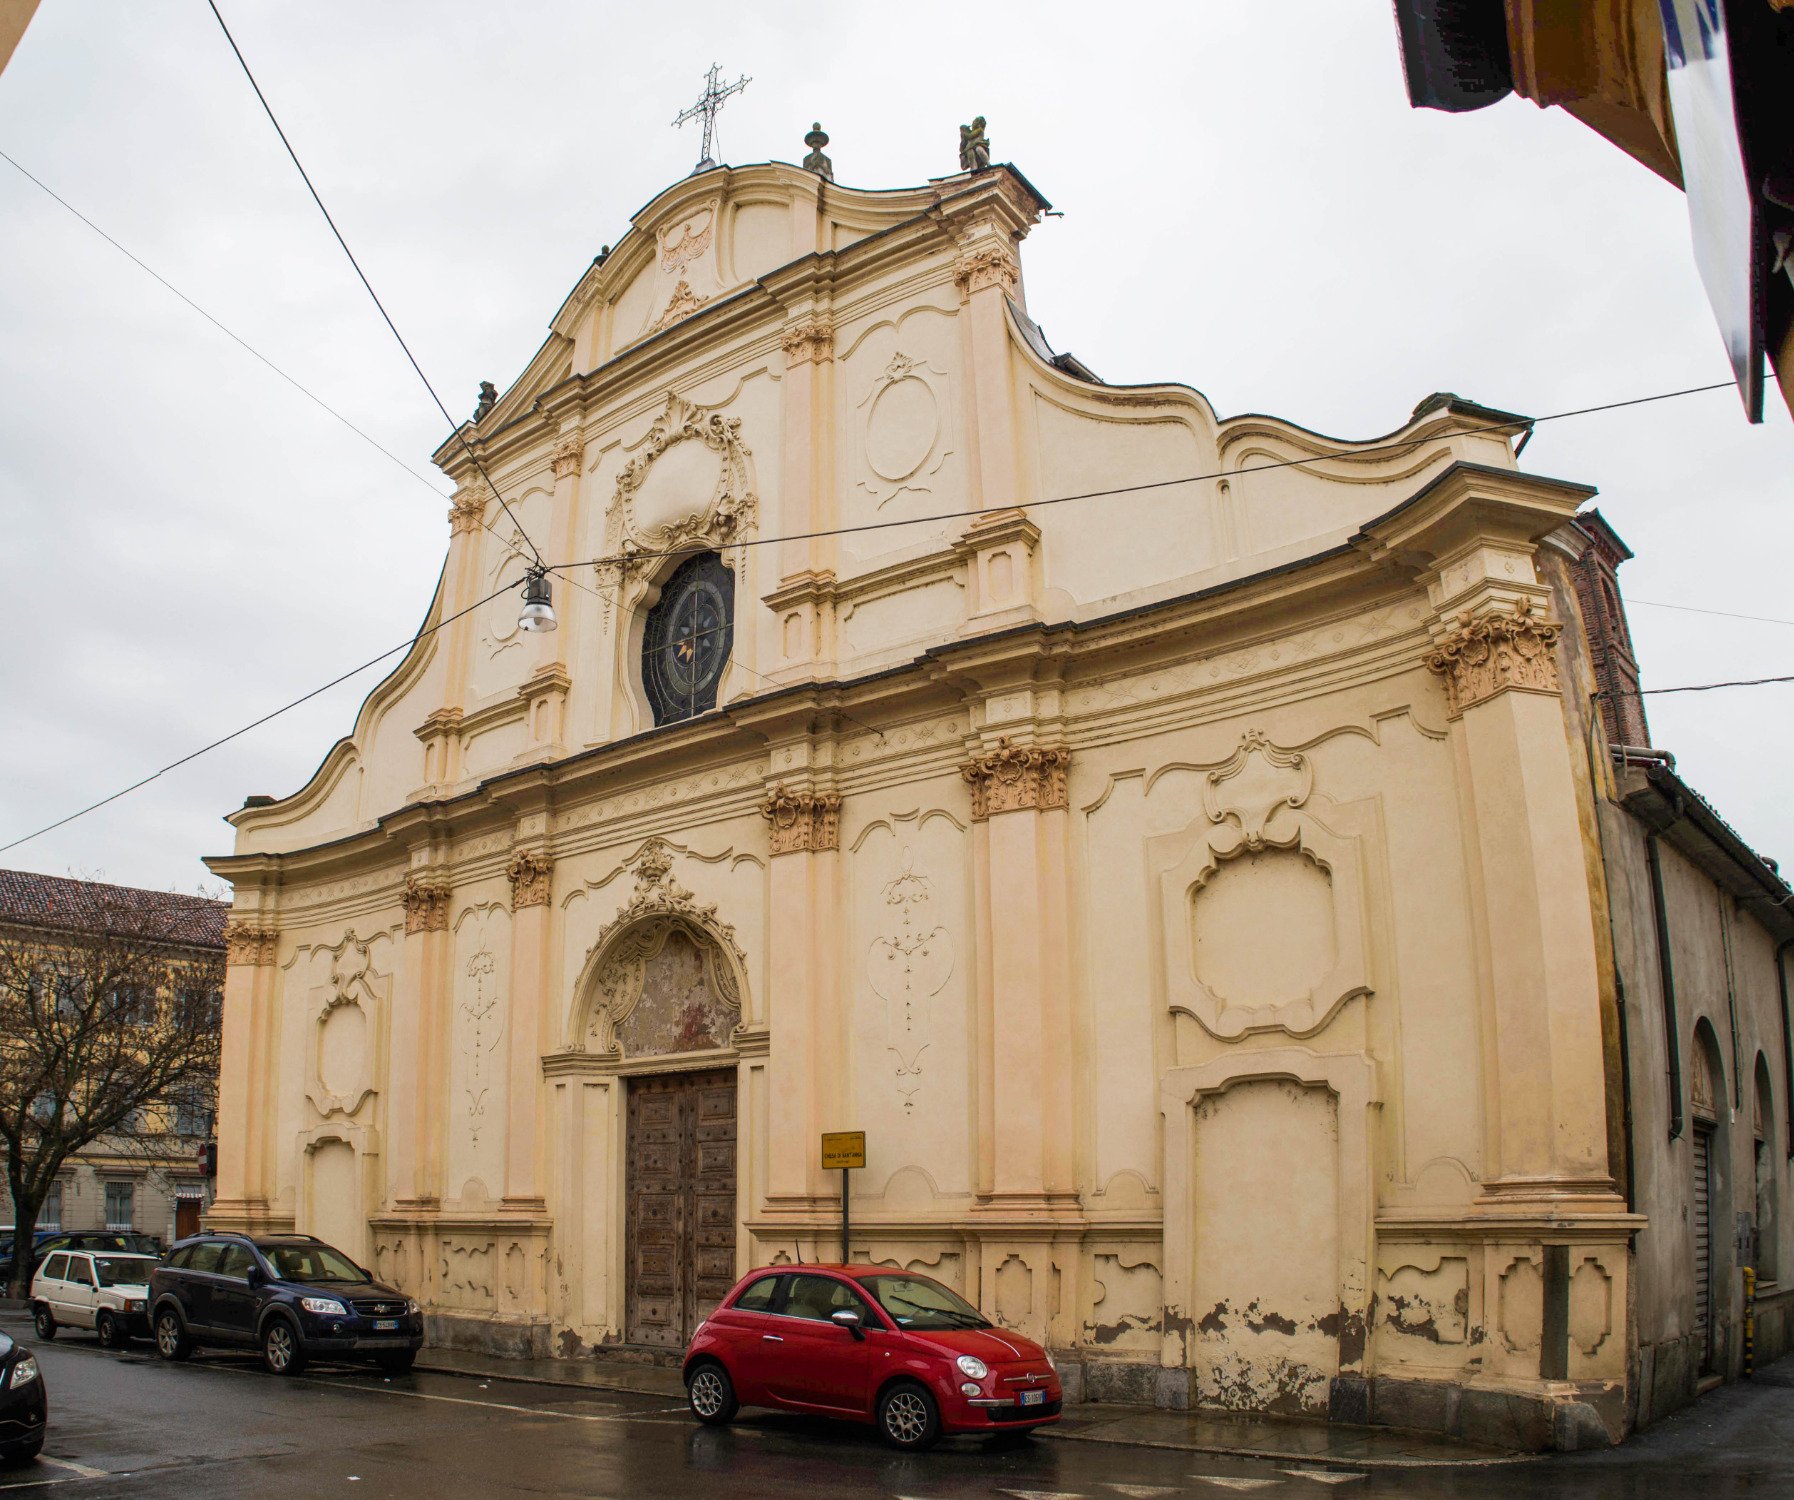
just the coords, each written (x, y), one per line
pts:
(1197, 892)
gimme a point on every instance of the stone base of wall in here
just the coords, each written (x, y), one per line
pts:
(1567, 1420)
(503, 1337)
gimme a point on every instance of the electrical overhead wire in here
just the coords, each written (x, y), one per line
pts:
(238, 339)
(1518, 424)
(1701, 687)
(1695, 609)
(564, 569)
(454, 426)
(304, 698)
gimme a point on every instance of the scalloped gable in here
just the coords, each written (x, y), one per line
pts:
(704, 240)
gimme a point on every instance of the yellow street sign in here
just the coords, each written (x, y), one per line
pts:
(843, 1148)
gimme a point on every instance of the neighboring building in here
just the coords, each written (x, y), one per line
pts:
(115, 1184)
(1196, 893)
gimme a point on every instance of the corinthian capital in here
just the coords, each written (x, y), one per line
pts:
(246, 943)
(468, 512)
(529, 872)
(809, 341)
(988, 265)
(1010, 777)
(802, 819)
(426, 902)
(1484, 655)
(567, 457)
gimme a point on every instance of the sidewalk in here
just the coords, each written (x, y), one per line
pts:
(1317, 1444)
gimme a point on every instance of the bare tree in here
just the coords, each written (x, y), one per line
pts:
(109, 1025)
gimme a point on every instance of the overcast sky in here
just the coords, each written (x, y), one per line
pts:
(1250, 207)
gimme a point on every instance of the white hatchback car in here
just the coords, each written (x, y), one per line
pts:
(95, 1289)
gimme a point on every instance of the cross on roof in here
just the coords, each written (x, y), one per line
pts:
(709, 102)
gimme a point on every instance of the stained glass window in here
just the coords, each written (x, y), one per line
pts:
(686, 643)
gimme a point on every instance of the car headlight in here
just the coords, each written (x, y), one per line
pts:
(23, 1373)
(411, 1306)
(136, 1304)
(970, 1364)
(1052, 1364)
(327, 1307)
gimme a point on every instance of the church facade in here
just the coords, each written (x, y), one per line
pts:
(1193, 891)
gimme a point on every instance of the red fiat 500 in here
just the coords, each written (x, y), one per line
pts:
(874, 1345)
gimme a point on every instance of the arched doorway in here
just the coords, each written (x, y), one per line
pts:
(661, 1002)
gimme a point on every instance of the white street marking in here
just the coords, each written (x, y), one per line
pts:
(1043, 1494)
(74, 1468)
(1143, 1491)
(1326, 1476)
(1237, 1484)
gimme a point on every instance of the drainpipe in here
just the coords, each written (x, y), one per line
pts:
(1667, 977)
(1781, 980)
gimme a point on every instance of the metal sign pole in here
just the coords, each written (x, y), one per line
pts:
(846, 1230)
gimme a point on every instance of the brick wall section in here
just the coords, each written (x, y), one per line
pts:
(1609, 636)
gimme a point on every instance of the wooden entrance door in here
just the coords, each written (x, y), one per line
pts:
(681, 1217)
(186, 1217)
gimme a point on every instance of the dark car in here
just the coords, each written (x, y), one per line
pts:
(870, 1344)
(23, 1407)
(6, 1255)
(290, 1295)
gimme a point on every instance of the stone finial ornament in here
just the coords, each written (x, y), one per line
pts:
(488, 400)
(974, 148)
(816, 162)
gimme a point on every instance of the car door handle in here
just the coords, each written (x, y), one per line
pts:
(772, 1338)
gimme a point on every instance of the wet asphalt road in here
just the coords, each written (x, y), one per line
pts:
(128, 1425)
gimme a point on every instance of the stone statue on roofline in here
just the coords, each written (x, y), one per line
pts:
(974, 148)
(488, 400)
(816, 162)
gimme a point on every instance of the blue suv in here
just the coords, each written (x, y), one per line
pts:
(291, 1296)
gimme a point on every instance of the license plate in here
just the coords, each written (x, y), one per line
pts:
(1033, 1398)
(385, 1325)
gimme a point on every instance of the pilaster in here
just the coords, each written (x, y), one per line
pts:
(420, 1036)
(808, 461)
(1018, 797)
(251, 944)
(531, 874)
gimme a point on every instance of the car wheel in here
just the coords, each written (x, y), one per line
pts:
(44, 1323)
(110, 1330)
(908, 1417)
(711, 1395)
(398, 1362)
(171, 1335)
(281, 1352)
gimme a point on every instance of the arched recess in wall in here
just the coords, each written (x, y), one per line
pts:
(1765, 1161)
(1710, 1196)
(333, 1186)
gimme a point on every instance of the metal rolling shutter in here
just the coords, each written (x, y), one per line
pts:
(1703, 1242)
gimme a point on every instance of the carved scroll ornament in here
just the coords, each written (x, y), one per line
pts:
(1010, 778)
(1488, 654)
(683, 304)
(246, 943)
(802, 820)
(728, 515)
(426, 903)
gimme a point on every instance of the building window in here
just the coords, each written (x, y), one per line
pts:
(120, 1201)
(49, 1214)
(685, 645)
(192, 1114)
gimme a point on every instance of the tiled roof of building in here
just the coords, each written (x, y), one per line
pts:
(31, 900)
